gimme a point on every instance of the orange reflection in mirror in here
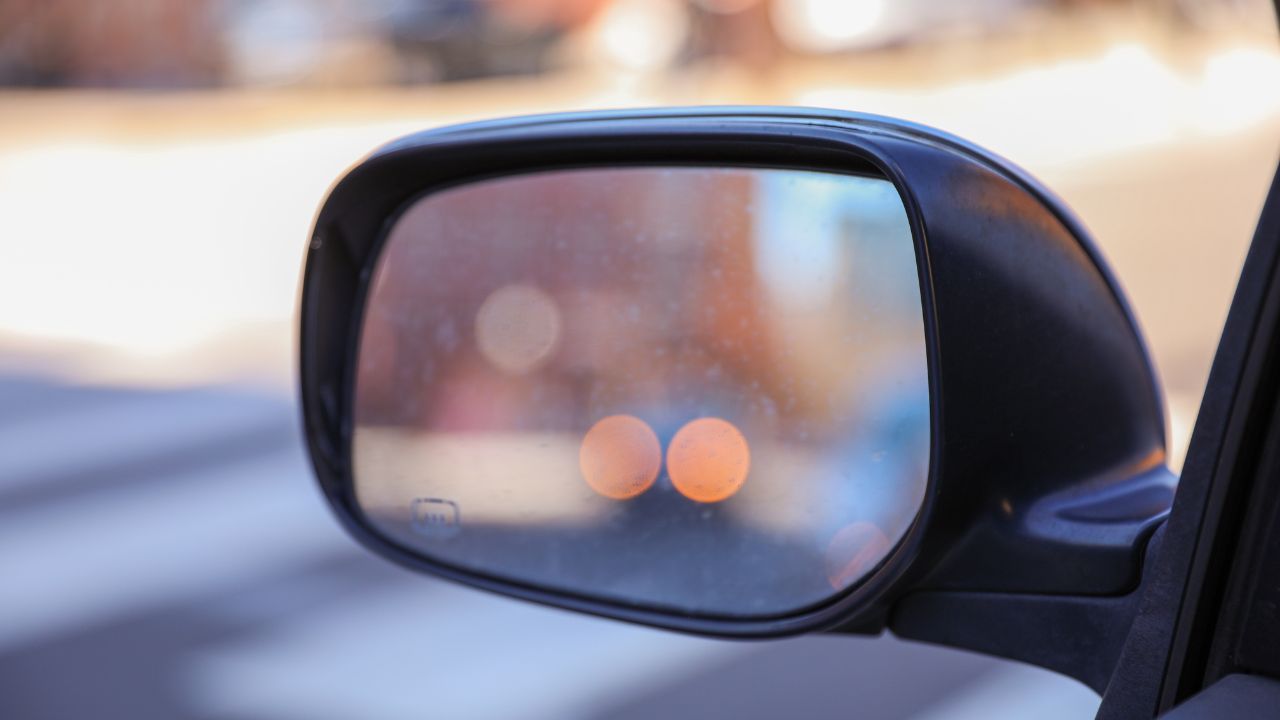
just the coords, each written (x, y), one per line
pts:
(853, 551)
(620, 457)
(708, 460)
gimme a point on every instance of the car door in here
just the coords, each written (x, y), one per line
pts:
(1208, 633)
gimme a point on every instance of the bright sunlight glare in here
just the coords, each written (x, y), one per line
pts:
(152, 247)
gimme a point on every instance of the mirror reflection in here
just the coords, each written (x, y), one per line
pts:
(688, 388)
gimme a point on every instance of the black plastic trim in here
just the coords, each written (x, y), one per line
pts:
(1234, 696)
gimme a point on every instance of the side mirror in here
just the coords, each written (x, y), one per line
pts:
(738, 372)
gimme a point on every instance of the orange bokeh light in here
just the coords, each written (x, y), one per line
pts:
(853, 551)
(620, 457)
(708, 460)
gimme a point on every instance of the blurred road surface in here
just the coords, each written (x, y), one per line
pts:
(168, 557)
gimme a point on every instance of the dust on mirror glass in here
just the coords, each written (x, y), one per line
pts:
(685, 388)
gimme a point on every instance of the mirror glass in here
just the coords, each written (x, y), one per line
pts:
(684, 388)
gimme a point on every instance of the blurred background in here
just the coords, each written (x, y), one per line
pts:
(166, 555)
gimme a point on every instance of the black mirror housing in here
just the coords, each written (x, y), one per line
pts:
(1046, 471)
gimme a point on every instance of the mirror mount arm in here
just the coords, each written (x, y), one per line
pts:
(1079, 636)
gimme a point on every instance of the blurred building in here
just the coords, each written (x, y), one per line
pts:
(202, 43)
(148, 43)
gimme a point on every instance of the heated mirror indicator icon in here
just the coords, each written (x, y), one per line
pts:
(435, 518)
